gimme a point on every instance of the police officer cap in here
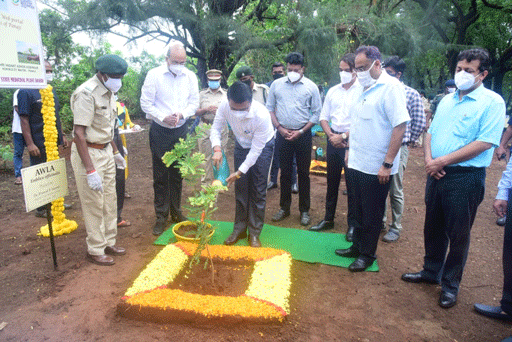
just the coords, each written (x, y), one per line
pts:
(111, 64)
(243, 71)
(214, 74)
(450, 83)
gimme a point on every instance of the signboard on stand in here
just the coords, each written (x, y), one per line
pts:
(21, 60)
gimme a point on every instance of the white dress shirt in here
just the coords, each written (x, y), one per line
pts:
(378, 110)
(164, 94)
(337, 104)
(252, 131)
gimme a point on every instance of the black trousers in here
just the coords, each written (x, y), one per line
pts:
(349, 181)
(301, 150)
(120, 177)
(251, 190)
(451, 205)
(335, 164)
(274, 166)
(167, 181)
(506, 299)
(369, 202)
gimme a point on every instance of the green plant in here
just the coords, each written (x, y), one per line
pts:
(203, 203)
(6, 153)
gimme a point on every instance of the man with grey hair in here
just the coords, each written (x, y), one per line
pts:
(169, 96)
(380, 112)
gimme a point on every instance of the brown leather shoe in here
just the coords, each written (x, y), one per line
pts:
(254, 241)
(102, 260)
(113, 250)
(234, 237)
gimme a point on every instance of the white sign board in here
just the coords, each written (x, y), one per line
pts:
(21, 60)
(44, 183)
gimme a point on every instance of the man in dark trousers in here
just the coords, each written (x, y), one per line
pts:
(458, 147)
(295, 105)
(169, 96)
(254, 146)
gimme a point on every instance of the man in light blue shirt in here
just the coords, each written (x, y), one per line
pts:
(295, 105)
(458, 148)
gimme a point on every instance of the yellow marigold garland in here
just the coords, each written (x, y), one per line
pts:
(60, 224)
(265, 298)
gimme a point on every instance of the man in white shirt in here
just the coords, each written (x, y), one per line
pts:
(378, 121)
(254, 147)
(169, 96)
(17, 139)
(336, 108)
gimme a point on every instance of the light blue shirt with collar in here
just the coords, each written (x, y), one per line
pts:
(478, 116)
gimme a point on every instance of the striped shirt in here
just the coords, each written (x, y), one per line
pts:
(417, 113)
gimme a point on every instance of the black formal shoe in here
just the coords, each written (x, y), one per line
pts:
(114, 250)
(360, 264)
(447, 300)
(254, 241)
(417, 278)
(350, 234)
(348, 252)
(280, 215)
(178, 218)
(500, 221)
(159, 228)
(322, 225)
(271, 185)
(493, 312)
(234, 237)
(295, 188)
(305, 220)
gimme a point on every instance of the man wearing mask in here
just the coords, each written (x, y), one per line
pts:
(259, 91)
(31, 120)
(395, 67)
(277, 72)
(254, 143)
(336, 110)
(94, 156)
(449, 88)
(378, 120)
(209, 100)
(294, 104)
(458, 148)
(169, 96)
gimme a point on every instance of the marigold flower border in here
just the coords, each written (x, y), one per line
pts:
(266, 297)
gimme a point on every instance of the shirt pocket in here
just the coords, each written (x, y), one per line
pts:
(465, 127)
(103, 117)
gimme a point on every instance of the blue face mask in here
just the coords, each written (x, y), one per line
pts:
(214, 84)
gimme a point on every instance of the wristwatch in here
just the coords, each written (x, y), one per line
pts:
(387, 165)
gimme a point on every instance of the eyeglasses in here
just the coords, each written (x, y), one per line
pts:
(363, 68)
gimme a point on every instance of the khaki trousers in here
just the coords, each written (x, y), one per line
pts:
(99, 208)
(396, 192)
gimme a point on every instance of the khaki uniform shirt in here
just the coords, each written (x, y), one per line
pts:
(94, 107)
(208, 98)
(260, 93)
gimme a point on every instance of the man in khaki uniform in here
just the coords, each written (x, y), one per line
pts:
(94, 156)
(209, 100)
(259, 91)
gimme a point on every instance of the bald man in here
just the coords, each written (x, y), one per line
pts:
(169, 96)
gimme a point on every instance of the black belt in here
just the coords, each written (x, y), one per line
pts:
(336, 132)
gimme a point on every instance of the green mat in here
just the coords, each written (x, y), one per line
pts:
(303, 245)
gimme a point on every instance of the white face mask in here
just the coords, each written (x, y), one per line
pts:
(365, 78)
(293, 76)
(49, 77)
(240, 114)
(451, 90)
(176, 68)
(464, 80)
(113, 84)
(345, 77)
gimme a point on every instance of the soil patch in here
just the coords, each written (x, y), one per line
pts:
(230, 278)
(188, 230)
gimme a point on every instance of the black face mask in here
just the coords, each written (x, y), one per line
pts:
(276, 76)
(248, 82)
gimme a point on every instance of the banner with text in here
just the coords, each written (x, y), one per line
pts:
(21, 60)
(44, 183)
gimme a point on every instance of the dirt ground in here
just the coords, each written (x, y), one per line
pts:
(78, 302)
